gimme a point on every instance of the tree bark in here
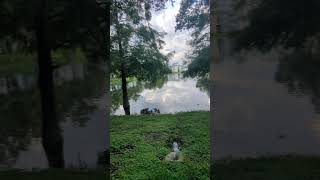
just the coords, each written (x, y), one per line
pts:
(214, 59)
(125, 99)
(126, 104)
(51, 137)
(108, 95)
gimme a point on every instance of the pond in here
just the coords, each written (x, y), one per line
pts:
(266, 104)
(171, 94)
(81, 108)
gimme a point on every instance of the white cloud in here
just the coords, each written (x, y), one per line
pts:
(165, 20)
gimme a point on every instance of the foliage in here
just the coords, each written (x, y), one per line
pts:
(72, 24)
(199, 67)
(117, 81)
(204, 85)
(134, 42)
(194, 15)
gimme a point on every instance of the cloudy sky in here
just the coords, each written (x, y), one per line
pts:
(165, 20)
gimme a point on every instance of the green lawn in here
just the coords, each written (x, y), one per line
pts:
(272, 168)
(139, 145)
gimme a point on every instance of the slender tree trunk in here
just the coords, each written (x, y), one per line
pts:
(125, 99)
(126, 104)
(51, 137)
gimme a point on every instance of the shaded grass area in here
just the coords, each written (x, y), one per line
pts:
(268, 168)
(53, 175)
(139, 145)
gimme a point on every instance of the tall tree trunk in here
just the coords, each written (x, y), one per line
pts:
(108, 95)
(51, 136)
(214, 58)
(125, 99)
(126, 104)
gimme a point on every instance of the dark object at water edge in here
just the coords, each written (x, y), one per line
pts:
(147, 111)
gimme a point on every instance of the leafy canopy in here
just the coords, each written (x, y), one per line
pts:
(134, 42)
(72, 23)
(194, 16)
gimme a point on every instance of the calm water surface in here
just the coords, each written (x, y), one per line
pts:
(266, 105)
(81, 106)
(174, 94)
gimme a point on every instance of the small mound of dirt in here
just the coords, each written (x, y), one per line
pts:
(153, 136)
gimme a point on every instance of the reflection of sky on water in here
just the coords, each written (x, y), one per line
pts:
(34, 157)
(255, 115)
(82, 144)
(174, 96)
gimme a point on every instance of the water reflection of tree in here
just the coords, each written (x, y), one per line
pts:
(134, 88)
(156, 83)
(116, 95)
(300, 72)
(20, 122)
(291, 26)
(76, 99)
(21, 110)
(203, 84)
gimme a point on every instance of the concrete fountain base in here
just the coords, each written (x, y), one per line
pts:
(176, 155)
(173, 156)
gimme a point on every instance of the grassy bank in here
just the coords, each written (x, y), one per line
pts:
(271, 168)
(139, 145)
